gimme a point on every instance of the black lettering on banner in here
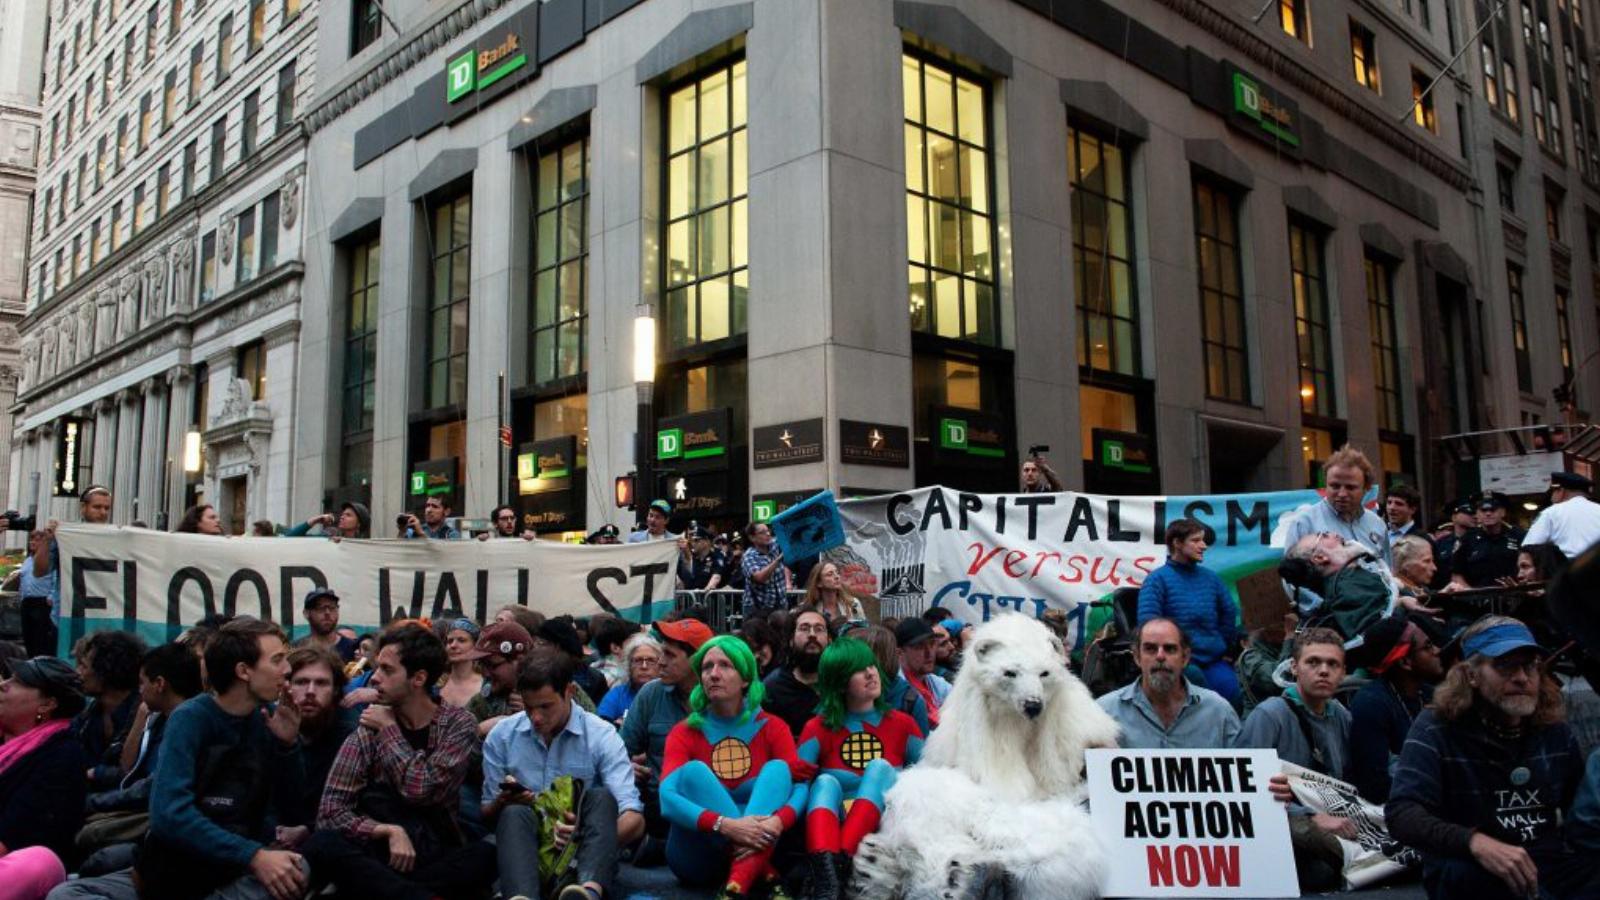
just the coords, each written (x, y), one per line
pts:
(1189, 820)
(936, 504)
(1033, 502)
(387, 610)
(1000, 515)
(650, 571)
(130, 595)
(230, 593)
(287, 576)
(605, 573)
(966, 503)
(1082, 517)
(1122, 774)
(892, 514)
(82, 600)
(1160, 529)
(187, 575)
(447, 590)
(522, 589)
(1255, 520)
(482, 603)
(1114, 529)
(1198, 510)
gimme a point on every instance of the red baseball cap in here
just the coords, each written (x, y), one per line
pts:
(686, 631)
(507, 639)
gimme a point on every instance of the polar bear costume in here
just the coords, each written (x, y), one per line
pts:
(995, 806)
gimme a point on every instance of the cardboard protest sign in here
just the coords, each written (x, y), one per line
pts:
(1191, 823)
(1373, 855)
(157, 584)
(808, 528)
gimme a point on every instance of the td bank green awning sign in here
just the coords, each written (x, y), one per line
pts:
(1262, 111)
(476, 69)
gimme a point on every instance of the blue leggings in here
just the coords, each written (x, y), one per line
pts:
(700, 859)
(828, 792)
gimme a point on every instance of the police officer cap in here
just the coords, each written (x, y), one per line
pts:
(604, 531)
(1571, 481)
(1493, 498)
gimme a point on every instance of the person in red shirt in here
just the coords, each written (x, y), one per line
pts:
(731, 782)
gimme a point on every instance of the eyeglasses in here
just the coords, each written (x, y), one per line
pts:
(1510, 667)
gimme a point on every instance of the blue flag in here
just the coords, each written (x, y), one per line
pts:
(808, 528)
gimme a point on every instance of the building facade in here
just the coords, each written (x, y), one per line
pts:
(159, 349)
(22, 39)
(1186, 246)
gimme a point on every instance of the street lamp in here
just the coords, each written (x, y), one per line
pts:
(644, 381)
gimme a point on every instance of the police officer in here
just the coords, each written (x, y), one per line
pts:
(701, 566)
(1461, 517)
(1487, 553)
(605, 534)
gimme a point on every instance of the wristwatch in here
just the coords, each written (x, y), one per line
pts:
(716, 827)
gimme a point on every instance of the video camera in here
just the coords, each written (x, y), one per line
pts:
(16, 521)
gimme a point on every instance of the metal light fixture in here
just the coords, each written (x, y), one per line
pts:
(644, 344)
(644, 377)
(191, 452)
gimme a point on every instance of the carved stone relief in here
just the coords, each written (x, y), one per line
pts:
(289, 202)
(85, 316)
(182, 265)
(128, 306)
(225, 238)
(105, 320)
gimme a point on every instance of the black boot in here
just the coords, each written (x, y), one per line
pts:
(843, 868)
(824, 878)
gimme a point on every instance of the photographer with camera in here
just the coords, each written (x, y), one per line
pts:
(1037, 476)
(352, 521)
(433, 525)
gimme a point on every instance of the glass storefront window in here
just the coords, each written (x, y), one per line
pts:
(1316, 445)
(561, 262)
(1102, 408)
(448, 299)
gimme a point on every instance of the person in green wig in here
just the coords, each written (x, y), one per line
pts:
(859, 745)
(731, 782)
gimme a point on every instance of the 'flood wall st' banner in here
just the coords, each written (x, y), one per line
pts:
(157, 583)
(982, 554)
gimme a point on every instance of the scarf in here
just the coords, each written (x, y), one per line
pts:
(18, 748)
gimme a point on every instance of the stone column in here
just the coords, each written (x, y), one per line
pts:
(180, 390)
(103, 469)
(126, 452)
(491, 280)
(152, 448)
(277, 469)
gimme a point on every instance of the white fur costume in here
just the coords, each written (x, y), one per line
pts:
(1000, 783)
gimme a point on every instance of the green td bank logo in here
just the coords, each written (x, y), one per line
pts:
(669, 443)
(419, 482)
(461, 76)
(953, 434)
(763, 510)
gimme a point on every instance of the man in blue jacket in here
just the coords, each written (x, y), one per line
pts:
(1196, 599)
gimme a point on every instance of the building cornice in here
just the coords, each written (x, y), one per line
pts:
(422, 42)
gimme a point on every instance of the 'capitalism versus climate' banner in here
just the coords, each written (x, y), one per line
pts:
(982, 554)
(157, 584)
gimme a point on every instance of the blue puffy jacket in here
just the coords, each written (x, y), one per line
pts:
(1194, 597)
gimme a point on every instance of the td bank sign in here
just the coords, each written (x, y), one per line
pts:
(477, 69)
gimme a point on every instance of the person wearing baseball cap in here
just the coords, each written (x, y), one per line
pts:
(659, 706)
(321, 608)
(1487, 773)
(1572, 520)
(918, 652)
(701, 567)
(498, 650)
(605, 534)
(656, 517)
(1487, 553)
(1402, 653)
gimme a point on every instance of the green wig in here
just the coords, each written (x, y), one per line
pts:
(840, 662)
(744, 662)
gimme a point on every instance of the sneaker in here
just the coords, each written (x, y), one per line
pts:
(578, 892)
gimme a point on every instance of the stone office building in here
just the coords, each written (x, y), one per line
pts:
(160, 345)
(1190, 245)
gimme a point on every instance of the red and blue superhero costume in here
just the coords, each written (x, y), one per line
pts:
(858, 763)
(727, 769)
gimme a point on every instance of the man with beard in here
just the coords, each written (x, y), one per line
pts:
(660, 705)
(916, 641)
(1402, 655)
(1488, 773)
(322, 614)
(1349, 474)
(504, 519)
(388, 824)
(1356, 589)
(1312, 730)
(499, 649)
(791, 689)
(1161, 709)
(316, 681)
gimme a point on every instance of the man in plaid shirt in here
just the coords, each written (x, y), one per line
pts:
(766, 582)
(387, 824)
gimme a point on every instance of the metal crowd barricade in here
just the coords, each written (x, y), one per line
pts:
(724, 607)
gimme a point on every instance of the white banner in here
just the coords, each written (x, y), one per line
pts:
(1373, 855)
(1190, 823)
(982, 554)
(157, 583)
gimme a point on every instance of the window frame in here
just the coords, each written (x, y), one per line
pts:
(357, 345)
(444, 251)
(1313, 317)
(1216, 347)
(562, 263)
(1077, 133)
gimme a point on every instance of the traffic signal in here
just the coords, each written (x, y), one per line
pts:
(624, 489)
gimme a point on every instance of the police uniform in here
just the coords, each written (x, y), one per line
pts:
(1483, 558)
